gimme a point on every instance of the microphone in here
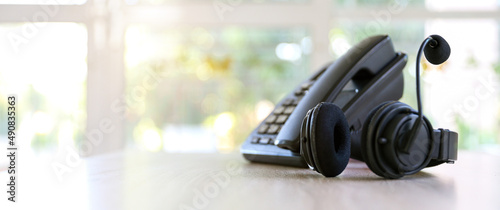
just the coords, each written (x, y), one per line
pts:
(436, 51)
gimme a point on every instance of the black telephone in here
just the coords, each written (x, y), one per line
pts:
(367, 75)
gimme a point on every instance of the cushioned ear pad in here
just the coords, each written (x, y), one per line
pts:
(330, 139)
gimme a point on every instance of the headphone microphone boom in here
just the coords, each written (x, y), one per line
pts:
(436, 51)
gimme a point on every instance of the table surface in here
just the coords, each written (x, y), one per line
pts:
(135, 180)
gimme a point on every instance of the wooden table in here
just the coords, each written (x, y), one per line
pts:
(129, 180)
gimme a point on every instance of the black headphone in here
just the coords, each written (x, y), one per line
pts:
(396, 139)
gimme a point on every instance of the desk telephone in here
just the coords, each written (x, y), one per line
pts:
(349, 109)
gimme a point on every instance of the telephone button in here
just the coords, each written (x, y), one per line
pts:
(273, 129)
(289, 110)
(307, 85)
(299, 92)
(295, 102)
(279, 110)
(281, 119)
(271, 119)
(263, 128)
(255, 140)
(265, 140)
(288, 101)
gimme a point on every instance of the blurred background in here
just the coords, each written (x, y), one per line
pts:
(98, 76)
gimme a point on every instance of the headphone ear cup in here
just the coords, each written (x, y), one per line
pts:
(326, 140)
(385, 131)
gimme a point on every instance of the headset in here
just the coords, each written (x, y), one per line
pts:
(396, 140)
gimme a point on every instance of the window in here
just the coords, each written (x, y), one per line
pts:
(166, 75)
(43, 2)
(47, 72)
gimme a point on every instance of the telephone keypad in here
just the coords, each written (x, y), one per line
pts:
(279, 116)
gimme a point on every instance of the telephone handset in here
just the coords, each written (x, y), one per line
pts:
(365, 76)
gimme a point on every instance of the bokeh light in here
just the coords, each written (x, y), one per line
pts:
(224, 122)
(152, 140)
(262, 109)
(42, 122)
(288, 51)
